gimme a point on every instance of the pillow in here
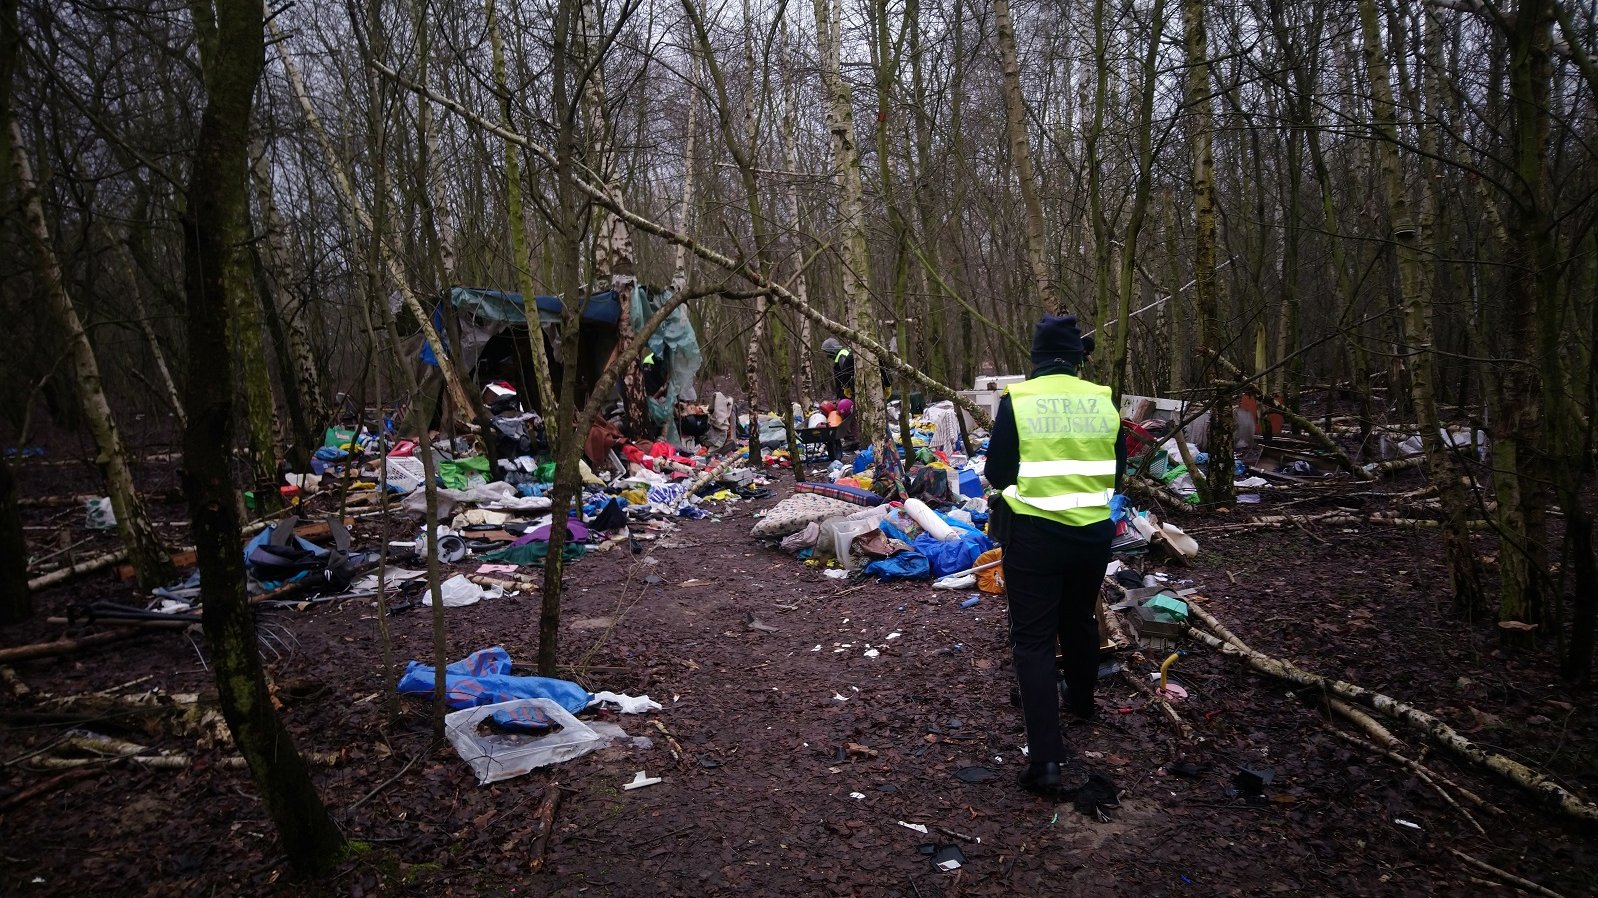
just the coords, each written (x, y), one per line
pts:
(851, 494)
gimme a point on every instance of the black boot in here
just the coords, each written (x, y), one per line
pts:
(1041, 779)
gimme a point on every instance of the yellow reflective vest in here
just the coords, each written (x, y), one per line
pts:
(1067, 429)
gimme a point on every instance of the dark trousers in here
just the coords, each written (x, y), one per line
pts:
(1052, 574)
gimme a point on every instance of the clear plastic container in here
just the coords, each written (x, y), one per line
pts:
(839, 534)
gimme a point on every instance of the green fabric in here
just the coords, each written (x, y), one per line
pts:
(1067, 429)
(534, 553)
(545, 472)
(455, 474)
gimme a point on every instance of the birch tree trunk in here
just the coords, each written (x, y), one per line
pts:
(306, 373)
(1206, 287)
(790, 211)
(231, 52)
(1021, 154)
(869, 407)
(1140, 201)
(151, 564)
(545, 388)
(361, 219)
(1414, 248)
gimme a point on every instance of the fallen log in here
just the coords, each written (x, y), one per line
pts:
(1552, 794)
(64, 646)
(172, 762)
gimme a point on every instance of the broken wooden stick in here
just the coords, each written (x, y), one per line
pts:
(546, 825)
(64, 646)
(1552, 794)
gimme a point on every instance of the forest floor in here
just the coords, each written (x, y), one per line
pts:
(803, 758)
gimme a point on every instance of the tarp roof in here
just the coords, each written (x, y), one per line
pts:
(497, 305)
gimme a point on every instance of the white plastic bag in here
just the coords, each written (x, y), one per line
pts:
(100, 515)
(458, 591)
(498, 757)
(626, 704)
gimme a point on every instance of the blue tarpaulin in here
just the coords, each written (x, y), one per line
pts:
(497, 305)
(483, 678)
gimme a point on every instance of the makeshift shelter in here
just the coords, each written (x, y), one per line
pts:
(492, 332)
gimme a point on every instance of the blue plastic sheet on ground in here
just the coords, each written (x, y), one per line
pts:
(948, 556)
(483, 678)
(909, 565)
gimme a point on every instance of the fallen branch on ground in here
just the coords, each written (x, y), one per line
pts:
(64, 646)
(99, 562)
(38, 789)
(1372, 727)
(1508, 877)
(546, 825)
(1422, 773)
(1552, 794)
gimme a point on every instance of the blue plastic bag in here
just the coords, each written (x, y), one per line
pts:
(483, 678)
(907, 565)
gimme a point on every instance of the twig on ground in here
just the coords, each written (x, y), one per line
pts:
(1505, 875)
(1414, 768)
(385, 783)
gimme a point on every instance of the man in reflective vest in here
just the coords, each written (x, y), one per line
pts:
(842, 366)
(1058, 454)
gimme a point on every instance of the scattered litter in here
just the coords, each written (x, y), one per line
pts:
(971, 602)
(1253, 780)
(857, 795)
(956, 581)
(457, 592)
(626, 704)
(835, 573)
(641, 780)
(915, 826)
(872, 653)
(1409, 823)
(949, 858)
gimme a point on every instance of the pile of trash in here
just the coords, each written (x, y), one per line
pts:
(493, 508)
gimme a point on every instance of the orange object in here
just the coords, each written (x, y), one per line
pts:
(288, 491)
(834, 419)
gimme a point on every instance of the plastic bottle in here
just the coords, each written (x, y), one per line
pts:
(971, 602)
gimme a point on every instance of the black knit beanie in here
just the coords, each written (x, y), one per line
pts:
(1058, 340)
